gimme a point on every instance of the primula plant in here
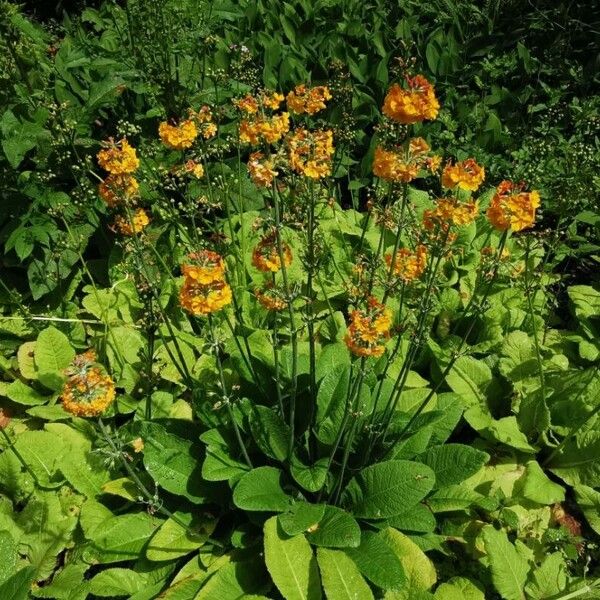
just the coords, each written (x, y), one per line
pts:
(273, 379)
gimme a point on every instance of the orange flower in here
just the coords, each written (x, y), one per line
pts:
(118, 188)
(271, 100)
(308, 100)
(512, 207)
(247, 104)
(207, 267)
(368, 329)
(433, 163)
(194, 168)
(139, 222)
(467, 175)
(265, 256)
(270, 298)
(261, 172)
(88, 391)
(450, 212)
(178, 137)
(199, 299)
(118, 158)
(264, 129)
(310, 152)
(390, 166)
(411, 105)
(408, 265)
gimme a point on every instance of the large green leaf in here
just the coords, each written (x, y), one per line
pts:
(336, 529)
(579, 461)
(173, 540)
(388, 488)
(453, 463)
(116, 582)
(458, 588)
(233, 581)
(53, 352)
(509, 568)
(291, 563)
(341, 578)
(588, 500)
(300, 517)
(270, 433)
(331, 403)
(260, 490)
(549, 579)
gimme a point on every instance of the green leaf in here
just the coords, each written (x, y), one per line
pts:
(42, 451)
(388, 488)
(291, 563)
(537, 487)
(122, 537)
(453, 463)
(331, 403)
(116, 582)
(458, 588)
(337, 529)
(220, 463)
(233, 581)
(172, 540)
(549, 579)
(53, 352)
(310, 477)
(419, 570)
(8, 555)
(260, 490)
(270, 433)
(378, 562)
(469, 378)
(588, 501)
(173, 463)
(341, 578)
(509, 568)
(17, 586)
(300, 517)
(419, 518)
(579, 461)
(20, 393)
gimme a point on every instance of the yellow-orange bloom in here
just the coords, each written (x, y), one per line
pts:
(261, 171)
(369, 329)
(178, 137)
(118, 158)
(310, 152)
(390, 166)
(206, 267)
(194, 168)
(450, 212)
(265, 256)
(467, 175)
(512, 207)
(308, 100)
(271, 100)
(116, 189)
(270, 299)
(264, 129)
(88, 391)
(411, 105)
(247, 104)
(199, 299)
(408, 265)
(139, 221)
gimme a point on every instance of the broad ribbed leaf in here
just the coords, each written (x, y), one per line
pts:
(453, 463)
(341, 578)
(260, 490)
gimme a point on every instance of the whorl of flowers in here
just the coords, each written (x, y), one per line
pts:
(449, 212)
(261, 171)
(512, 207)
(310, 152)
(369, 329)
(467, 175)
(402, 165)
(408, 265)
(265, 256)
(118, 158)
(204, 289)
(261, 128)
(270, 298)
(180, 136)
(204, 121)
(413, 105)
(266, 100)
(138, 222)
(116, 189)
(88, 391)
(305, 100)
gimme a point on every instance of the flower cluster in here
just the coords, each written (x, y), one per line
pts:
(262, 171)
(88, 391)
(270, 298)
(412, 105)
(204, 289)
(265, 100)
(303, 100)
(449, 212)
(310, 152)
(407, 265)
(264, 129)
(179, 136)
(466, 175)
(369, 329)
(512, 207)
(404, 164)
(266, 258)
(131, 226)
(120, 160)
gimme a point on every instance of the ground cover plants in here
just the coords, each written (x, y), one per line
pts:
(281, 319)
